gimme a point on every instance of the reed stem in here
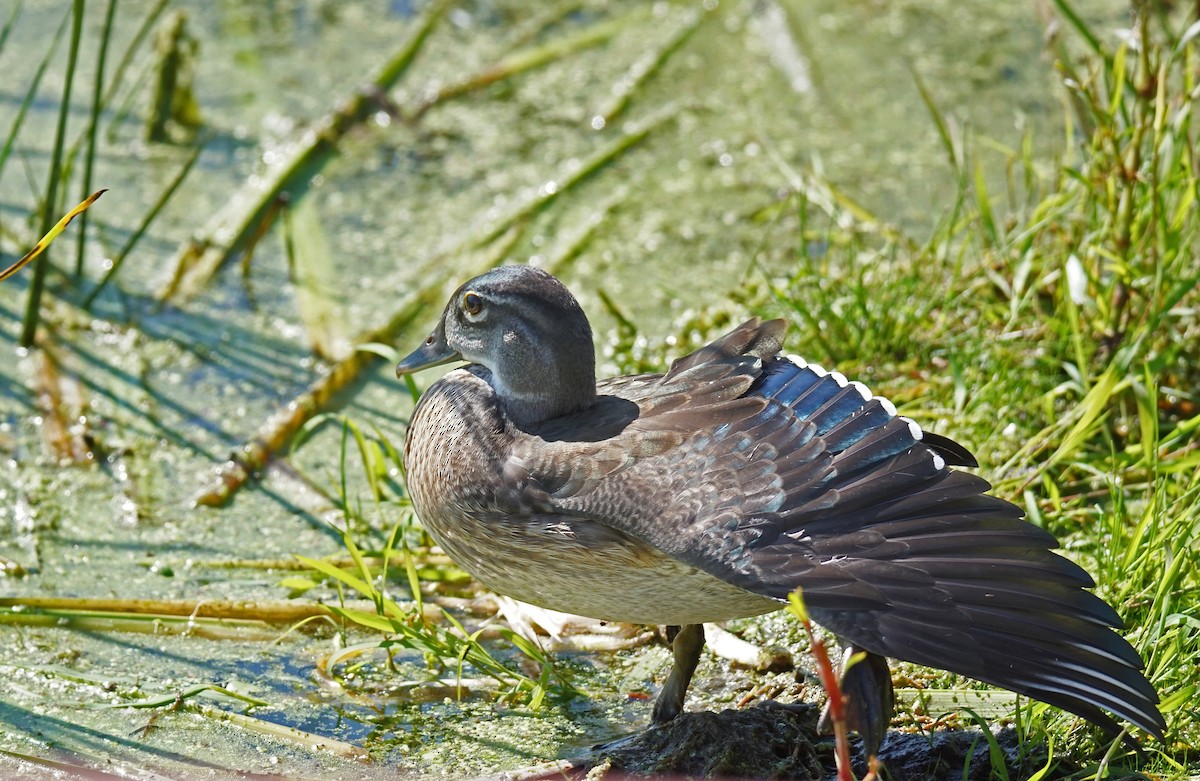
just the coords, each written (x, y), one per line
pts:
(97, 104)
(37, 285)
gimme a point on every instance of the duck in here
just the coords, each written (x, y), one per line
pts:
(715, 489)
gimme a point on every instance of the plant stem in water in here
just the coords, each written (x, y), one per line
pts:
(97, 104)
(33, 309)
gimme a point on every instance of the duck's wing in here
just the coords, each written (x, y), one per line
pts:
(958, 579)
(773, 474)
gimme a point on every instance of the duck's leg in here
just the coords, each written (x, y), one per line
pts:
(686, 644)
(870, 700)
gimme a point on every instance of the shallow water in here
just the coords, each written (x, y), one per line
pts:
(673, 227)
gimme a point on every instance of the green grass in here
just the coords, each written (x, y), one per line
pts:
(1054, 328)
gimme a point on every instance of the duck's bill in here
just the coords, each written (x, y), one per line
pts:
(434, 352)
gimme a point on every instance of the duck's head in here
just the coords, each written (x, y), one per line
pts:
(528, 331)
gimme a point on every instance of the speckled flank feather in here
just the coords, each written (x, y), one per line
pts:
(714, 490)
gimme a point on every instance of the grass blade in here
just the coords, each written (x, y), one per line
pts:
(97, 103)
(172, 699)
(15, 129)
(135, 43)
(340, 575)
(1082, 28)
(8, 24)
(33, 307)
(644, 69)
(51, 235)
(1094, 406)
(136, 236)
(310, 260)
(939, 121)
(527, 59)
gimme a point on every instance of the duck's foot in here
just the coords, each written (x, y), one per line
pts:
(686, 644)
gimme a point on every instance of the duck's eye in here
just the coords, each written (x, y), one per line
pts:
(472, 303)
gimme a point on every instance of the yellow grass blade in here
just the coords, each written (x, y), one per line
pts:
(51, 235)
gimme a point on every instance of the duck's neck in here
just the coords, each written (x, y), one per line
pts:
(553, 388)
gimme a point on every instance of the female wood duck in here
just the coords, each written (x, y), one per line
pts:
(712, 491)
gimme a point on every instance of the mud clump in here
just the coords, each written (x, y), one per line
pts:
(777, 741)
(768, 741)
